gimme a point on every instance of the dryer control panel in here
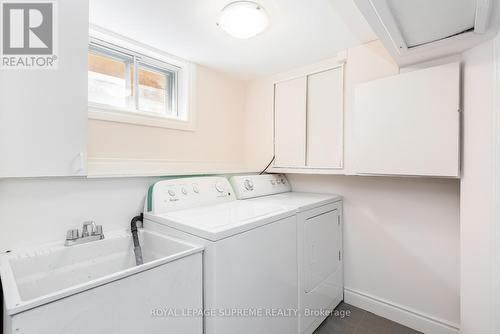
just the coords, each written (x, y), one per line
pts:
(249, 186)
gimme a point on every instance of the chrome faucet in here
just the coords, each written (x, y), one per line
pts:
(73, 236)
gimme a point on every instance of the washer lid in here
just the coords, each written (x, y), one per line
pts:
(298, 200)
(215, 222)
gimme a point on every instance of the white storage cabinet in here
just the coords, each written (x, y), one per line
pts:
(409, 124)
(43, 112)
(308, 121)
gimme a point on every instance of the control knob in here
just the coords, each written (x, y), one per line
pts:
(219, 186)
(248, 185)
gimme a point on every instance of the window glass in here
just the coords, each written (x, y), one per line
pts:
(154, 88)
(131, 82)
(109, 80)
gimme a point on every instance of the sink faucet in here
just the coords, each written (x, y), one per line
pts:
(85, 228)
(73, 236)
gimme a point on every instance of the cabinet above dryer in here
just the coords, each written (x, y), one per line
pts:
(308, 121)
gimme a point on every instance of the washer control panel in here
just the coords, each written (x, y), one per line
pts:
(249, 186)
(178, 194)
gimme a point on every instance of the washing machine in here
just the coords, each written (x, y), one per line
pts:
(250, 259)
(319, 242)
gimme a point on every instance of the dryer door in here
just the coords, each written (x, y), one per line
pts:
(322, 244)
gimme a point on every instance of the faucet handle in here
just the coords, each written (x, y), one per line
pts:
(85, 228)
(72, 234)
(97, 230)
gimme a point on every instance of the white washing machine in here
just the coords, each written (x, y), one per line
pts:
(250, 258)
(319, 230)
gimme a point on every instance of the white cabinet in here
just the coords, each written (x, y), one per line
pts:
(409, 124)
(308, 121)
(43, 113)
(324, 120)
(290, 122)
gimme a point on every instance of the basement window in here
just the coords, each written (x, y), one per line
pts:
(129, 86)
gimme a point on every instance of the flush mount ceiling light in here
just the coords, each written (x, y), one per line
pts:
(243, 19)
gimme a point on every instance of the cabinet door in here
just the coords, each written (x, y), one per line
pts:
(324, 119)
(290, 122)
(409, 124)
(43, 112)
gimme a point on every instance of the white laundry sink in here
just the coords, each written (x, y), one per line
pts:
(71, 284)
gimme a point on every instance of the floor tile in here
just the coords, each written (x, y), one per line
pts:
(335, 327)
(376, 324)
(395, 328)
(353, 315)
(358, 321)
(362, 330)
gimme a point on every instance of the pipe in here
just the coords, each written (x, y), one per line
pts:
(135, 237)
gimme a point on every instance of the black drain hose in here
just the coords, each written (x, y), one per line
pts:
(135, 237)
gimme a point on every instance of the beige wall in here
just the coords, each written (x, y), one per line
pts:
(215, 145)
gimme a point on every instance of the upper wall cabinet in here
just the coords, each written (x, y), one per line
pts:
(409, 124)
(308, 121)
(290, 122)
(43, 112)
(324, 119)
(416, 31)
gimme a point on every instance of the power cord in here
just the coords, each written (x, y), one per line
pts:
(269, 164)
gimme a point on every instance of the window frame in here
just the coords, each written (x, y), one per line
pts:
(152, 60)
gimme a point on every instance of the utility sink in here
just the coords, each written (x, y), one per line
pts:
(80, 280)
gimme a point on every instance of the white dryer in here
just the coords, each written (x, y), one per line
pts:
(319, 231)
(250, 258)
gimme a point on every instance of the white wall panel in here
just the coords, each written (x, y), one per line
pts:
(476, 191)
(36, 211)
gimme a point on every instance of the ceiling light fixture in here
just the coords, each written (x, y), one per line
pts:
(243, 19)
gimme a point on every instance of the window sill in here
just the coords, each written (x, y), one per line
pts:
(110, 114)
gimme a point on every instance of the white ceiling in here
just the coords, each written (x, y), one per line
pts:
(300, 32)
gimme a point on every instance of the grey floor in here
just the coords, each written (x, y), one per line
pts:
(358, 321)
